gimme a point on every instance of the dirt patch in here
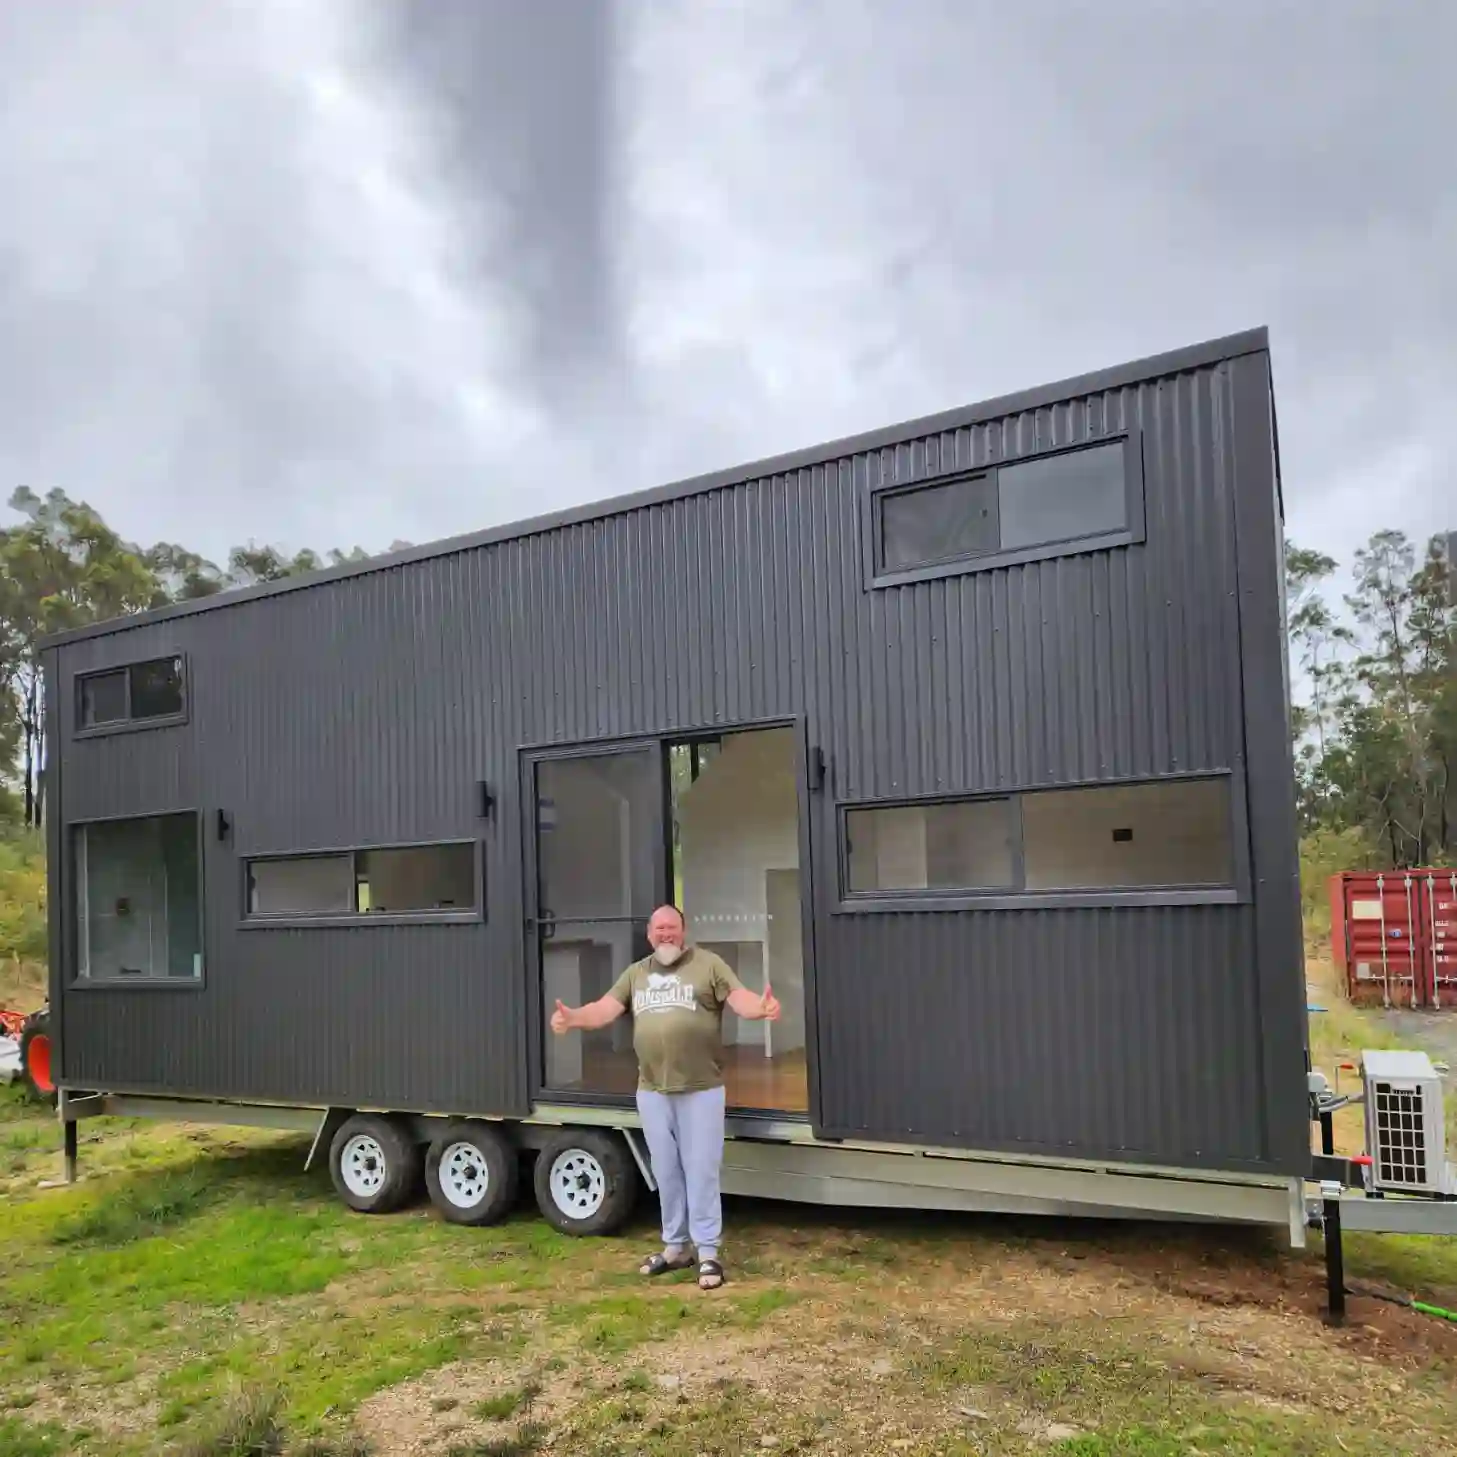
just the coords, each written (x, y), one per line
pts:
(115, 1412)
(1293, 1289)
(579, 1400)
(424, 1417)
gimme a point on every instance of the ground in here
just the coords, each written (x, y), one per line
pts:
(198, 1292)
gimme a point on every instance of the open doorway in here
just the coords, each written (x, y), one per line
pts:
(711, 824)
(736, 876)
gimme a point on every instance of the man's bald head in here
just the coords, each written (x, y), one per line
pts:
(666, 927)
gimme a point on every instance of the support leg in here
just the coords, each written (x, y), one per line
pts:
(68, 1134)
(1335, 1265)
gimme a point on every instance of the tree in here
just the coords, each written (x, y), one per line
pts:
(1316, 633)
(1377, 745)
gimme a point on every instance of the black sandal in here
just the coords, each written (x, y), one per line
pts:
(659, 1264)
(711, 1271)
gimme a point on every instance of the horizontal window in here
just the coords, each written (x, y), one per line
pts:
(1159, 835)
(138, 900)
(1128, 837)
(400, 880)
(136, 693)
(1022, 509)
(931, 846)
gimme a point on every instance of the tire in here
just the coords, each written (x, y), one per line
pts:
(374, 1163)
(586, 1182)
(36, 1050)
(472, 1173)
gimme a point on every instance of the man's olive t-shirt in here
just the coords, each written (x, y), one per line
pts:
(677, 1017)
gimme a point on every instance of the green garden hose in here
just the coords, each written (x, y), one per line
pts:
(1420, 1305)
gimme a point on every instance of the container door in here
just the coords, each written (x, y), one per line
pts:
(596, 845)
(1384, 914)
(1439, 933)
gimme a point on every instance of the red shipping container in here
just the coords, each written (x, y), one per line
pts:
(1394, 935)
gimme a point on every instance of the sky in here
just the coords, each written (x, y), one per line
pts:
(332, 273)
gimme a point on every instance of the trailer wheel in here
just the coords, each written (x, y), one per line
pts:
(374, 1163)
(586, 1182)
(472, 1173)
(35, 1056)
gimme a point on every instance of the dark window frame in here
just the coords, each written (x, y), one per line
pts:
(1236, 891)
(73, 980)
(475, 914)
(83, 730)
(1134, 532)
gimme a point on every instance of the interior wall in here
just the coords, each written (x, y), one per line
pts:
(786, 957)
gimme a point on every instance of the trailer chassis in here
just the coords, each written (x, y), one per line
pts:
(783, 1160)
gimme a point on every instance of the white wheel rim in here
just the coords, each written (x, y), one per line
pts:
(464, 1177)
(578, 1183)
(362, 1166)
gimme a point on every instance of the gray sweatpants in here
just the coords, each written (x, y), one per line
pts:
(685, 1145)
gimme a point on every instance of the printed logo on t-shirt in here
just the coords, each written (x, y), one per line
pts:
(665, 992)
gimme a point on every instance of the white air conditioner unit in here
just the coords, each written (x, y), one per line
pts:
(1405, 1132)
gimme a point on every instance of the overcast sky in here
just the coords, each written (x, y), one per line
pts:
(324, 273)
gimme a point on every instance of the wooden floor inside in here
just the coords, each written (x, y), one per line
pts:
(751, 1080)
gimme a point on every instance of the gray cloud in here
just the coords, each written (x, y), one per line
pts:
(346, 271)
(520, 99)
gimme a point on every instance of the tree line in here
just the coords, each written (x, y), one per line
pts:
(1375, 726)
(62, 566)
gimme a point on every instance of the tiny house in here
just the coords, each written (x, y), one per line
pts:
(970, 734)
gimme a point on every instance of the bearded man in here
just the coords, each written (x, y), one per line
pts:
(676, 998)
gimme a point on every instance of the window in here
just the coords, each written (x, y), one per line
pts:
(1171, 834)
(1062, 497)
(1126, 837)
(407, 880)
(138, 900)
(138, 693)
(938, 523)
(931, 846)
(1072, 500)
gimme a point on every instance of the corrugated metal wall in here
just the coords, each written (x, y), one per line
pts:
(365, 710)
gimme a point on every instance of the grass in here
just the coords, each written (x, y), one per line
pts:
(21, 1439)
(505, 1406)
(199, 1295)
(1123, 1399)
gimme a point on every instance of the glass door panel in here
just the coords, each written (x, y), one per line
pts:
(600, 873)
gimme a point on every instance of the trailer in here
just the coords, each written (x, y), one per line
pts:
(970, 733)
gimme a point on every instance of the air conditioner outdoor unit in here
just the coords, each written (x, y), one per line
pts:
(1405, 1132)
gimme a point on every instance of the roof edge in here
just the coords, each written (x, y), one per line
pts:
(1154, 366)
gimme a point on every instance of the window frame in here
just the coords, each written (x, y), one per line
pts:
(1134, 532)
(474, 915)
(82, 730)
(1235, 891)
(74, 886)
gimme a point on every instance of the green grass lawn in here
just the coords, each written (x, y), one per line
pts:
(199, 1293)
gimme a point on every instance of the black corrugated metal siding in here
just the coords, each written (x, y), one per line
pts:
(365, 709)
